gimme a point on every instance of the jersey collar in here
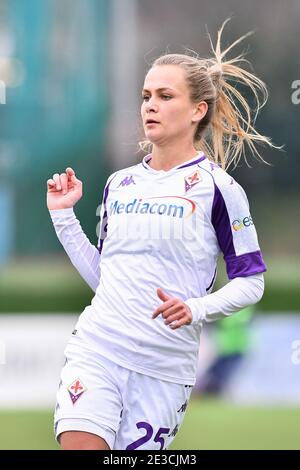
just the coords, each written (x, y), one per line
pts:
(194, 161)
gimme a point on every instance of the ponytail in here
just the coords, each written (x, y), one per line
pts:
(228, 126)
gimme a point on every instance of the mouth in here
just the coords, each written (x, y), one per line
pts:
(151, 121)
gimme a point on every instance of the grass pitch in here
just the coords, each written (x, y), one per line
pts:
(209, 424)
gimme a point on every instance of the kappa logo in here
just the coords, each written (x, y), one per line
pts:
(174, 431)
(127, 181)
(183, 407)
(192, 179)
(76, 389)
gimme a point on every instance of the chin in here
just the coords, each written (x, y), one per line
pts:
(154, 137)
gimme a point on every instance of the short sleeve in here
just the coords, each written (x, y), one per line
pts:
(235, 230)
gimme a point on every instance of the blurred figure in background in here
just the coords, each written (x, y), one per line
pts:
(232, 338)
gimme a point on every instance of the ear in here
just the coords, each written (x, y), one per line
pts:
(199, 111)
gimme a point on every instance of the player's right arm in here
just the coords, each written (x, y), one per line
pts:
(63, 192)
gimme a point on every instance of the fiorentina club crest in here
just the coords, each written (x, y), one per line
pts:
(192, 179)
(75, 390)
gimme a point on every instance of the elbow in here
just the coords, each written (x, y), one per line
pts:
(259, 287)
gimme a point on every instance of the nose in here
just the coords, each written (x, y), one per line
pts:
(151, 106)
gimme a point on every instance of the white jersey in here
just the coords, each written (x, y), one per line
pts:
(164, 229)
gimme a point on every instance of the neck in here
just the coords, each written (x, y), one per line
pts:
(171, 155)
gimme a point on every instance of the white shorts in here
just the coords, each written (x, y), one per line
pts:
(129, 410)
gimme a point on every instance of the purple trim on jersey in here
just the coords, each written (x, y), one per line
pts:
(212, 281)
(245, 265)
(221, 222)
(106, 191)
(146, 161)
(104, 219)
(180, 167)
(193, 163)
(236, 266)
(100, 245)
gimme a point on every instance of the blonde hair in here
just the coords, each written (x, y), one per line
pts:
(228, 125)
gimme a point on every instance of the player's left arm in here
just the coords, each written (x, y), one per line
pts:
(233, 297)
(237, 239)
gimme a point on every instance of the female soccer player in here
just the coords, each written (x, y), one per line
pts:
(131, 360)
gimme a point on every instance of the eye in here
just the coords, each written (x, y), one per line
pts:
(145, 97)
(166, 97)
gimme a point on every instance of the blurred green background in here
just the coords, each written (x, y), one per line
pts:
(73, 71)
(209, 424)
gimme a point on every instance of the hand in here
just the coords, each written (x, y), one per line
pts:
(64, 190)
(175, 312)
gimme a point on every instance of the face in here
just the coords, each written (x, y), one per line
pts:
(167, 111)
